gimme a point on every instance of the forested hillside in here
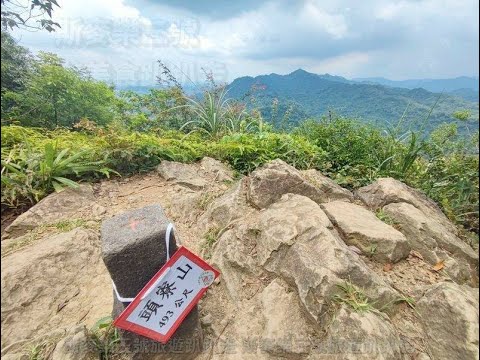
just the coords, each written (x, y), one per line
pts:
(302, 94)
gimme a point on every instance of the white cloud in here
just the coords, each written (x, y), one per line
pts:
(401, 39)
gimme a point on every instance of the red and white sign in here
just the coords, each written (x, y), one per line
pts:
(160, 307)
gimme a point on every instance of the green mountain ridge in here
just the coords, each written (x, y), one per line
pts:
(311, 96)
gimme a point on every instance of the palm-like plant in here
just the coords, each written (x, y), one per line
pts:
(210, 114)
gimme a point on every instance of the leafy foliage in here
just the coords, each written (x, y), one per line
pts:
(42, 91)
(18, 15)
(29, 174)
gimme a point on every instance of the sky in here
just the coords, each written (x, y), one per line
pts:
(120, 41)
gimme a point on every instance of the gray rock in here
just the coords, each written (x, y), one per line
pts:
(182, 174)
(55, 207)
(276, 178)
(434, 240)
(330, 189)
(449, 313)
(366, 335)
(363, 229)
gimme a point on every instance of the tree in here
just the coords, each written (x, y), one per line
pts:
(16, 69)
(56, 95)
(29, 15)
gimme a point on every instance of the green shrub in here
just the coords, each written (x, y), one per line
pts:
(443, 166)
(245, 152)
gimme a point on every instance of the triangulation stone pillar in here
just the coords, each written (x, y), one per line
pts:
(133, 250)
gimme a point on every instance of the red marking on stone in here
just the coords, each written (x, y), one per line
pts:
(133, 224)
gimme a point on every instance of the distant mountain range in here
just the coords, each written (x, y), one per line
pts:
(306, 95)
(433, 85)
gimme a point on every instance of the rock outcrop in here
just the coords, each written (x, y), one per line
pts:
(307, 271)
(368, 335)
(59, 206)
(361, 228)
(426, 228)
(195, 176)
(57, 278)
(449, 313)
(271, 181)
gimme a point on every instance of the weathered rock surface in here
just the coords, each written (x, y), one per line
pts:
(330, 189)
(53, 280)
(426, 228)
(449, 313)
(386, 191)
(195, 176)
(268, 326)
(227, 208)
(54, 208)
(294, 240)
(75, 346)
(216, 169)
(367, 335)
(272, 180)
(182, 174)
(285, 329)
(435, 241)
(361, 228)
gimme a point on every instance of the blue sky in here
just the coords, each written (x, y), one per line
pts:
(121, 40)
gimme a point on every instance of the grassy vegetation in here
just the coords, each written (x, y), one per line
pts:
(104, 337)
(37, 161)
(353, 298)
(383, 216)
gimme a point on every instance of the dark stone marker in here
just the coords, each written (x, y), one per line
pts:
(133, 250)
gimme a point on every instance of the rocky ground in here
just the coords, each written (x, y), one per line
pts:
(309, 269)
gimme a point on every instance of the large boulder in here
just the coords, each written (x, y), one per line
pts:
(56, 207)
(426, 228)
(386, 191)
(364, 230)
(226, 208)
(294, 240)
(269, 182)
(435, 242)
(55, 283)
(449, 313)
